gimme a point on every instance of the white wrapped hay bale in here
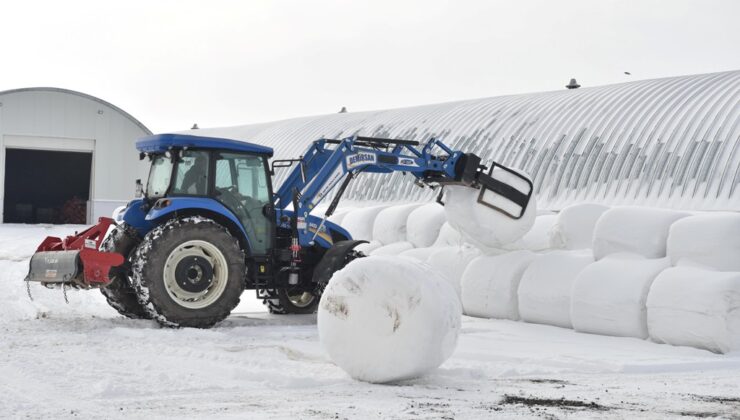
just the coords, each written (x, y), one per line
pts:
(448, 236)
(482, 225)
(451, 263)
(490, 284)
(609, 296)
(574, 228)
(369, 247)
(384, 319)
(641, 230)
(689, 306)
(339, 215)
(545, 288)
(393, 249)
(711, 240)
(390, 224)
(424, 224)
(538, 238)
(359, 222)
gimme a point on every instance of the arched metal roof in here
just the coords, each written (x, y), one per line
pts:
(669, 142)
(83, 95)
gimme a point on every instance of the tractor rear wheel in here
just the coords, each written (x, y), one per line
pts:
(293, 302)
(189, 273)
(120, 292)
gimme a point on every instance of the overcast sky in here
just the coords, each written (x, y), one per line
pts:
(173, 63)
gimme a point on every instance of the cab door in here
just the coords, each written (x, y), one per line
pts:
(242, 184)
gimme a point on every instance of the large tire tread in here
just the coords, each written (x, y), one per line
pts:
(148, 265)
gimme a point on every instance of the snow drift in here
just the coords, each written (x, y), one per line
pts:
(545, 289)
(609, 295)
(711, 240)
(490, 284)
(691, 306)
(384, 319)
(640, 230)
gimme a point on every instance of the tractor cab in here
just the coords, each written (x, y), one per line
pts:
(218, 172)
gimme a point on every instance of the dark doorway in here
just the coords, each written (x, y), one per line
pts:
(46, 187)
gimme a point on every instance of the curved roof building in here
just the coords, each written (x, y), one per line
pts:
(65, 156)
(669, 142)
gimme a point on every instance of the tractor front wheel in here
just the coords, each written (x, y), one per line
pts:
(189, 273)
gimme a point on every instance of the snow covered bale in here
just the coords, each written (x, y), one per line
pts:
(385, 319)
(490, 284)
(482, 225)
(711, 240)
(574, 228)
(451, 263)
(641, 230)
(395, 248)
(359, 222)
(609, 296)
(424, 224)
(690, 306)
(545, 288)
(390, 224)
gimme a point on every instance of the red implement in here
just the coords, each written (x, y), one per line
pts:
(52, 263)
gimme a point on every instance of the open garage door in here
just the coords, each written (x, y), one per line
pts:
(44, 186)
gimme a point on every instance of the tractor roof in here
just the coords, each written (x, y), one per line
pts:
(163, 142)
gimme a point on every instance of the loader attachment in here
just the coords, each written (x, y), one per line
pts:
(501, 189)
(75, 260)
(504, 190)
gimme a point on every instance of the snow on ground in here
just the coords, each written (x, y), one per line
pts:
(83, 361)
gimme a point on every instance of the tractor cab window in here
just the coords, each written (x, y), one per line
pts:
(191, 176)
(242, 186)
(159, 176)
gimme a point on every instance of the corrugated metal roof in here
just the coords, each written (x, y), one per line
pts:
(669, 142)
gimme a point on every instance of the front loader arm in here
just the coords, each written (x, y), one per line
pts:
(323, 167)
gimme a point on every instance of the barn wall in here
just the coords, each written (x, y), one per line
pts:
(669, 142)
(56, 119)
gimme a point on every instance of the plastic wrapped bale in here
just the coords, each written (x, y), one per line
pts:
(424, 223)
(538, 238)
(359, 222)
(390, 224)
(385, 319)
(490, 284)
(545, 289)
(339, 215)
(393, 249)
(640, 230)
(451, 263)
(482, 225)
(690, 306)
(710, 240)
(574, 227)
(368, 248)
(448, 236)
(609, 296)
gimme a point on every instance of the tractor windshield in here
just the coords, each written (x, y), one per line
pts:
(160, 174)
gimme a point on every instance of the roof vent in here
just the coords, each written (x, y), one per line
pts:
(194, 127)
(572, 85)
(343, 110)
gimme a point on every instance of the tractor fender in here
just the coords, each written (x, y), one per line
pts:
(334, 259)
(199, 206)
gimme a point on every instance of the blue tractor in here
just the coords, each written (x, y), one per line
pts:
(208, 225)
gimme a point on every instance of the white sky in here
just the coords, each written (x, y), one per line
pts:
(171, 63)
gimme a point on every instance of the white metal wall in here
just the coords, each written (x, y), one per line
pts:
(669, 142)
(57, 119)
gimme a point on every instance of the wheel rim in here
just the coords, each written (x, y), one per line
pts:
(195, 274)
(301, 299)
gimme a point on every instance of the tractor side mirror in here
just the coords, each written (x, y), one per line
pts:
(139, 189)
